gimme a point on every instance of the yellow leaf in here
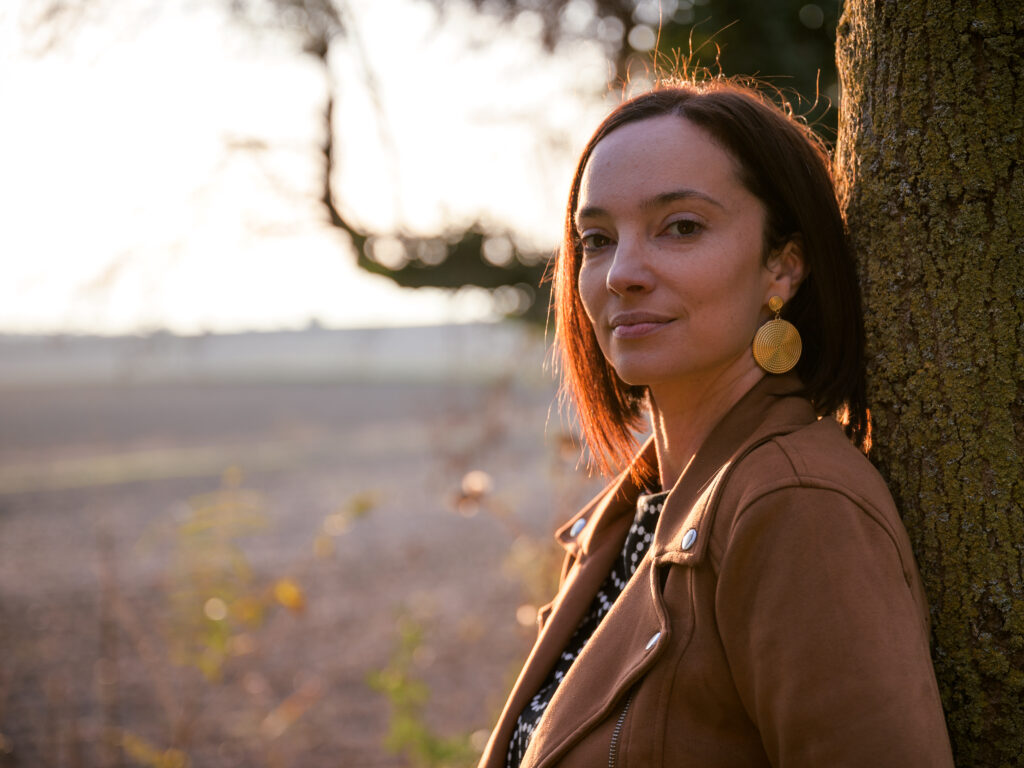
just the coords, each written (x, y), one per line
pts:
(289, 594)
(145, 753)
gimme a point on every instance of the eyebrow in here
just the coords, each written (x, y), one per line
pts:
(593, 211)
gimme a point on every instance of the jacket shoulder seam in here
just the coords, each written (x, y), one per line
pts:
(810, 482)
(802, 479)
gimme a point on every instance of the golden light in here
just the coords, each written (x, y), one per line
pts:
(477, 483)
(215, 609)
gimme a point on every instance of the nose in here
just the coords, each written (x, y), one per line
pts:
(629, 271)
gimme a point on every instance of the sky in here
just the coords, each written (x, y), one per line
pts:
(159, 161)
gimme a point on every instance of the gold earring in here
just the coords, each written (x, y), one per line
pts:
(777, 345)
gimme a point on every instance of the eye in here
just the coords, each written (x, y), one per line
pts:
(683, 227)
(594, 241)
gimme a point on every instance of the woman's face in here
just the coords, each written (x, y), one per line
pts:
(673, 275)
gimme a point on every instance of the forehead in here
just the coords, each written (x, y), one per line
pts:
(650, 157)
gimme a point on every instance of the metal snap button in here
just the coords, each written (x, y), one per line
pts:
(653, 641)
(689, 539)
(578, 526)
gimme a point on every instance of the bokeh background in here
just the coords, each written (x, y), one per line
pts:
(279, 460)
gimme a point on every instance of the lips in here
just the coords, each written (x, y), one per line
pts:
(633, 325)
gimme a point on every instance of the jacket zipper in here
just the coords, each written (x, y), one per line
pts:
(613, 748)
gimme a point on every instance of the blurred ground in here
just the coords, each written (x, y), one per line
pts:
(104, 559)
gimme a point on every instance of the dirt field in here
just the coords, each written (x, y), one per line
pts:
(210, 575)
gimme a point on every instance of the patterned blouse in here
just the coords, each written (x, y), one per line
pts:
(648, 507)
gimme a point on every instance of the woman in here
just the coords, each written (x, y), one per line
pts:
(743, 593)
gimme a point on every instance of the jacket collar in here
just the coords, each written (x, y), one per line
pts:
(771, 407)
(617, 500)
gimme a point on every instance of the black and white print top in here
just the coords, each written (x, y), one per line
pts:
(648, 507)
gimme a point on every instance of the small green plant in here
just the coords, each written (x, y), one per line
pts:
(216, 605)
(215, 598)
(408, 733)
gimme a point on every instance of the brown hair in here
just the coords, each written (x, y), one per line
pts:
(783, 163)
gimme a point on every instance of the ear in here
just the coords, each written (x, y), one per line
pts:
(786, 269)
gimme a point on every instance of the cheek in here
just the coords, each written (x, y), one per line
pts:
(590, 284)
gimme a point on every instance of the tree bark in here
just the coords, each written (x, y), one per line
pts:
(932, 182)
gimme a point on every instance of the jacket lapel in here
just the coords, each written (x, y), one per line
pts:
(624, 646)
(592, 539)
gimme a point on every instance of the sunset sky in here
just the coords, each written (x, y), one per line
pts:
(159, 161)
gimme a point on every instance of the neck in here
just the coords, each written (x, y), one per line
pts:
(683, 417)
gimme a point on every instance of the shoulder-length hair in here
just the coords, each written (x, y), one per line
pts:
(784, 164)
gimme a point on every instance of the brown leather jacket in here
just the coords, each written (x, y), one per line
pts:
(777, 620)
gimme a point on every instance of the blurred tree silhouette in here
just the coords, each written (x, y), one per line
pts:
(479, 255)
(789, 43)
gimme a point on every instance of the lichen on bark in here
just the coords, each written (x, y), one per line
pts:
(929, 162)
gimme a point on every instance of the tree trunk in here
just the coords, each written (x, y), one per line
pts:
(932, 181)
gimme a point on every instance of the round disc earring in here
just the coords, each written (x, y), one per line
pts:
(777, 344)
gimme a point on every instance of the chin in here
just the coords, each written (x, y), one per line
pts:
(637, 373)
